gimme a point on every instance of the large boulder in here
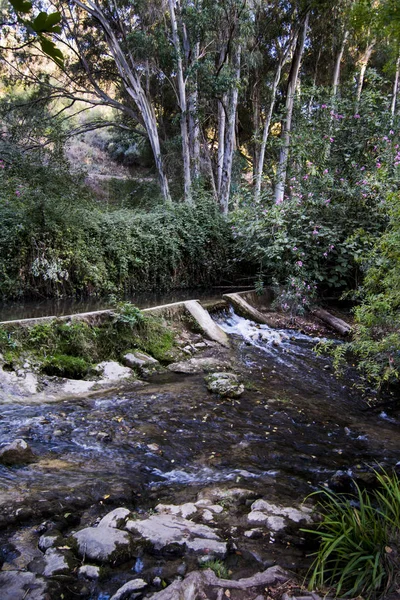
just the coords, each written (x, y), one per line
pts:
(16, 453)
(226, 385)
(166, 531)
(104, 544)
(139, 359)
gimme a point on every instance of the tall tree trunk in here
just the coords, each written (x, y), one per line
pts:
(182, 105)
(229, 144)
(256, 126)
(310, 103)
(338, 61)
(395, 88)
(268, 118)
(364, 63)
(287, 128)
(194, 125)
(134, 89)
(221, 138)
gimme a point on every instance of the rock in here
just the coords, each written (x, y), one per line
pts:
(139, 359)
(205, 584)
(200, 345)
(226, 385)
(254, 533)
(18, 585)
(116, 518)
(104, 544)
(103, 436)
(56, 563)
(16, 453)
(183, 510)
(198, 365)
(130, 587)
(113, 371)
(89, 571)
(168, 530)
(257, 516)
(203, 319)
(294, 514)
(207, 515)
(48, 540)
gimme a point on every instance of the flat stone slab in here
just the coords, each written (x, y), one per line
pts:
(210, 329)
(276, 517)
(104, 544)
(20, 585)
(166, 529)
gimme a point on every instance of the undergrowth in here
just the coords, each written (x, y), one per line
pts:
(70, 348)
(359, 540)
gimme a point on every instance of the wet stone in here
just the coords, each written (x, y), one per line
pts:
(226, 385)
(165, 530)
(56, 562)
(104, 544)
(17, 452)
(124, 592)
(139, 359)
(89, 571)
(16, 585)
(48, 540)
(117, 518)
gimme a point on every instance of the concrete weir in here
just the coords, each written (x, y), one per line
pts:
(245, 309)
(200, 315)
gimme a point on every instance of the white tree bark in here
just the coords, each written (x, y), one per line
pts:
(268, 117)
(134, 89)
(364, 63)
(287, 128)
(229, 144)
(187, 180)
(395, 88)
(221, 138)
(338, 61)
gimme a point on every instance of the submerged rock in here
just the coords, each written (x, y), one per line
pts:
(17, 585)
(226, 385)
(16, 453)
(104, 544)
(165, 530)
(198, 365)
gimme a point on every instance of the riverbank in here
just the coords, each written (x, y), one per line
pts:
(223, 470)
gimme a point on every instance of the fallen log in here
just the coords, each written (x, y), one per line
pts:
(337, 324)
(247, 311)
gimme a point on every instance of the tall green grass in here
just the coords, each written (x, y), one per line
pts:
(359, 541)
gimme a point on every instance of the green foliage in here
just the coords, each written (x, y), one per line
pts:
(343, 164)
(295, 297)
(63, 365)
(55, 241)
(218, 567)
(376, 343)
(61, 347)
(359, 537)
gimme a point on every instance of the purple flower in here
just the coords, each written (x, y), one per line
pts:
(17, 193)
(357, 116)
(331, 139)
(295, 248)
(323, 106)
(299, 263)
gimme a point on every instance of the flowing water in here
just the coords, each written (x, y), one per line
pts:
(294, 428)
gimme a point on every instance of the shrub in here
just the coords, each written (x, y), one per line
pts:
(359, 537)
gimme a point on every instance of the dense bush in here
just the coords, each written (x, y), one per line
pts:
(344, 162)
(55, 240)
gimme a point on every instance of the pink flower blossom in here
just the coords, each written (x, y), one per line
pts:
(378, 165)
(326, 171)
(331, 139)
(357, 116)
(299, 263)
(17, 193)
(323, 106)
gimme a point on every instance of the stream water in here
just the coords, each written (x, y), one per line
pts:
(292, 430)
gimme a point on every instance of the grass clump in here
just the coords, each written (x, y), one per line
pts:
(359, 537)
(63, 365)
(218, 566)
